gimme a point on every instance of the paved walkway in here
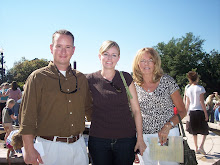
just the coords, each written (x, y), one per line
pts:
(212, 148)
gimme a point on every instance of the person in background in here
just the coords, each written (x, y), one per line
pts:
(22, 93)
(184, 96)
(14, 143)
(14, 93)
(4, 87)
(217, 97)
(157, 93)
(209, 107)
(112, 139)
(7, 117)
(217, 110)
(198, 114)
(53, 108)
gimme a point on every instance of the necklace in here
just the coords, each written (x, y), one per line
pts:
(147, 88)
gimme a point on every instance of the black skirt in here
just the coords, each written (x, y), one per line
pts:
(197, 123)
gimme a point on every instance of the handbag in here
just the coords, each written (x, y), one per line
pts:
(189, 155)
(172, 151)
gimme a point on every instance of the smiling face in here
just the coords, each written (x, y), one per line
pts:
(109, 58)
(146, 64)
(62, 50)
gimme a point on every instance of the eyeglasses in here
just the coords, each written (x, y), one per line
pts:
(118, 89)
(61, 90)
(150, 61)
(107, 55)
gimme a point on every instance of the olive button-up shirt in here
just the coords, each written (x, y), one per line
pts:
(46, 111)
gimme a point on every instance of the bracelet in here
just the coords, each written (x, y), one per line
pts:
(172, 123)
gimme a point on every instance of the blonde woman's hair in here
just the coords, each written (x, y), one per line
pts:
(106, 45)
(209, 100)
(16, 141)
(158, 71)
(10, 101)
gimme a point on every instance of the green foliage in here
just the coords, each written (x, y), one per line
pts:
(179, 56)
(210, 69)
(22, 69)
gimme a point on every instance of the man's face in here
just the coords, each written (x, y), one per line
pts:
(62, 50)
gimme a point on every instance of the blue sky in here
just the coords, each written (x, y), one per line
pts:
(26, 27)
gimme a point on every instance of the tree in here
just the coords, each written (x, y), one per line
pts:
(209, 67)
(179, 56)
(23, 68)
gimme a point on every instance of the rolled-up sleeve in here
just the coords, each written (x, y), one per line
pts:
(29, 105)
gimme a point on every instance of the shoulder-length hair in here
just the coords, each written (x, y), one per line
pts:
(158, 71)
(209, 100)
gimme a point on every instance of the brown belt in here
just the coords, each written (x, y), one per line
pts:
(62, 139)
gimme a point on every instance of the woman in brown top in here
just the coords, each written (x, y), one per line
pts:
(113, 129)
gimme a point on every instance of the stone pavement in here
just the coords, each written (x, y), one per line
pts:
(211, 146)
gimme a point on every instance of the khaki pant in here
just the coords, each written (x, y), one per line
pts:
(8, 128)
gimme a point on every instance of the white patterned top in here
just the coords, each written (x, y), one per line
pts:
(157, 106)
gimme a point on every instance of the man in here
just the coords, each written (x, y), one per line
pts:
(53, 108)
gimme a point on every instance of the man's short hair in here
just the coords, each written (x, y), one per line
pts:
(63, 31)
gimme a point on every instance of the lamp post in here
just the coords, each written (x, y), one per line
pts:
(2, 62)
(74, 65)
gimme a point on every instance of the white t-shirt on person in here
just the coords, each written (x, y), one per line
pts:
(193, 92)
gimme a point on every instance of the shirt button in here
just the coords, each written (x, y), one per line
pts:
(69, 101)
(68, 89)
(72, 125)
(66, 78)
(71, 113)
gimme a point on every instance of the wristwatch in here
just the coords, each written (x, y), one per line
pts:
(172, 123)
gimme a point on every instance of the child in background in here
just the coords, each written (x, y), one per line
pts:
(7, 116)
(14, 143)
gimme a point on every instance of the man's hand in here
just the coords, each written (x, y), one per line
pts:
(31, 156)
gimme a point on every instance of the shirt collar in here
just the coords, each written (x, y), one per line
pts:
(54, 69)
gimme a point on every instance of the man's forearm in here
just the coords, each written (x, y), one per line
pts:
(28, 142)
(31, 155)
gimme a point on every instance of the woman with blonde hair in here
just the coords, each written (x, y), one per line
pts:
(157, 92)
(198, 114)
(112, 136)
(209, 107)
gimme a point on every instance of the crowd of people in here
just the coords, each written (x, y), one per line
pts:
(9, 104)
(126, 111)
